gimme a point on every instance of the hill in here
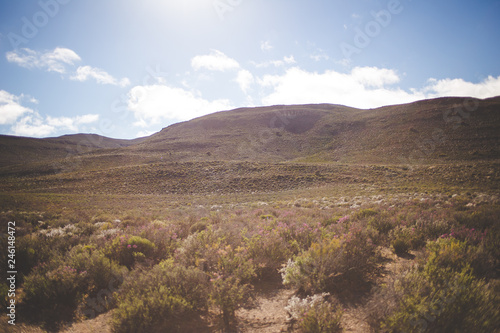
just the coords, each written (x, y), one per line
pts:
(444, 129)
(22, 150)
(433, 142)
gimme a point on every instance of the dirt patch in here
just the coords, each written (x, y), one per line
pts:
(267, 314)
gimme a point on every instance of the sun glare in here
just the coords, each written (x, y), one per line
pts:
(185, 5)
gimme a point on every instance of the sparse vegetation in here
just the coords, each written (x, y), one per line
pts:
(188, 241)
(190, 262)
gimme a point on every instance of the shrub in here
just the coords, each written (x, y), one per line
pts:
(51, 295)
(381, 223)
(314, 314)
(331, 263)
(444, 301)
(405, 238)
(127, 250)
(448, 252)
(103, 277)
(229, 283)
(198, 226)
(165, 238)
(269, 251)
(441, 294)
(162, 299)
(363, 213)
(230, 268)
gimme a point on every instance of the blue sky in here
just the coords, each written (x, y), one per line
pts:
(127, 68)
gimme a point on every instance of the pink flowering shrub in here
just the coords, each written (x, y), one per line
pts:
(127, 250)
(165, 237)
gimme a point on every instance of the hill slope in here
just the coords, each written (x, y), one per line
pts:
(445, 129)
(446, 141)
(21, 150)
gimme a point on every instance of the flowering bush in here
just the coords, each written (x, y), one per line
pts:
(314, 314)
(165, 238)
(269, 250)
(229, 282)
(127, 250)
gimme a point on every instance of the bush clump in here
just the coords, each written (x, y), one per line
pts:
(127, 250)
(331, 264)
(160, 300)
(52, 294)
(441, 294)
(314, 314)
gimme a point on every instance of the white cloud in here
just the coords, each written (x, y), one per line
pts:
(489, 87)
(51, 61)
(277, 63)
(354, 89)
(144, 133)
(34, 125)
(244, 79)
(215, 61)
(87, 119)
(363, 87)
(319, 56)
(374, 77)
(156, 103)
(266, 45)
(11, 108)
(83, 73)
(58, 60)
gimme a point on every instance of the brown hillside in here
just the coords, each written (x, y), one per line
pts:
(266, 149)
(445, 129)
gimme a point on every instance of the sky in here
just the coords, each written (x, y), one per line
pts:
(128, 68)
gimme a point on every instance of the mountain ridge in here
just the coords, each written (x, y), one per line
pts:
(427, 143)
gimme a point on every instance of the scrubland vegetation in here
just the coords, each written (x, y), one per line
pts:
(190, 268)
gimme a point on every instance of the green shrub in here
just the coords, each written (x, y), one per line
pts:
(444, 300)
(51, 295)
(381, 223)
(269, 251)
(198, 226)
(161, 299)
(446, 253)
(127, 250)
(165, 238)
(200, 249)
(331, 264)
(363, 213)
(405, 238)
(103, 277)
(441, 294)
(229, 282)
